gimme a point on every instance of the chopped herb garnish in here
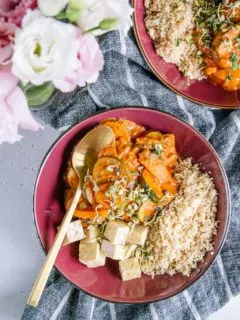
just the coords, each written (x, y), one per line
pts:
(238, 43)
(117, 171)
(159, 210)
(134, 173)
(135, 219)
(229, 77)
(178, 42)
(234, 61)
(158, 148)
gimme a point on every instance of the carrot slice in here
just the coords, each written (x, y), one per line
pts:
(100, 197)
(132, 128)
(152, 183)
(108, 151)
(107, 169)
(90, 214)
(170, 187)
(126, 217)
(118, 128)
(155, 167)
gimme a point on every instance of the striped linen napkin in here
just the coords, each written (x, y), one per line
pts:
(127, 81)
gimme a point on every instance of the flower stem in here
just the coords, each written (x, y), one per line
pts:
(92, 29)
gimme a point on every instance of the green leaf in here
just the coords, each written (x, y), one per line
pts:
(61, 16)
(25, 86)
(234, 61)
(37, 95)
(109, 23)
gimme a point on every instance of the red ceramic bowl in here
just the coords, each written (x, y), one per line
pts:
(105, 282)
(199, 91)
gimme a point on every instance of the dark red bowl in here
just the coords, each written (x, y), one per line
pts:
(105, 282)
(201, 92)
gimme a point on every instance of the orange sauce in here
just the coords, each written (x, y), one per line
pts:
(223, 59)
(134, 148)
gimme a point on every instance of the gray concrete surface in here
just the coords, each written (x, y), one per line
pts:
(20, 253)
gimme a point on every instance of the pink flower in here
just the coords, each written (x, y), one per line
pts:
(11, 15)
(88, 65)
(14, 111)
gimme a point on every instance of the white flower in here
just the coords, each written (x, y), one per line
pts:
(45, 49)
(89, 64)
(98, 10)
(52, 7)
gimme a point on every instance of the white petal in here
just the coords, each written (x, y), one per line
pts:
(58, 51)
(92, 16)
(103, 9)
(30, 16)
(64, 85)
(52, 7)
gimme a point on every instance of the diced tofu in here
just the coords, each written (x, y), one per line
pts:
(98, 262)
(116, 232)
(138, 235)
(74, 232)
(129, 269)
(113, 251)
(130, 250)
(91, 255)
(92, 233)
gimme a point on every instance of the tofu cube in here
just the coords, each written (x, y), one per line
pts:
(138, 235)
(130, 269)
(98, 262)
(91, 255)
(74, 232)
(130, 250)
(92, 233)
(116, 232)
(113, 251)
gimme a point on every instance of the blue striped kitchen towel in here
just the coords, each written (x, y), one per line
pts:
(127, 81)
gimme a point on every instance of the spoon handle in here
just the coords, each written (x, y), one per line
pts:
(43, 275)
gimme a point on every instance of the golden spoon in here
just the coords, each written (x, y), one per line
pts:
(84, 155)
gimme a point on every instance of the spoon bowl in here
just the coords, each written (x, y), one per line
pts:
(86, 151)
